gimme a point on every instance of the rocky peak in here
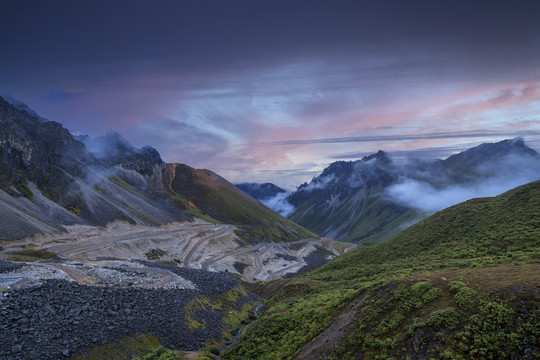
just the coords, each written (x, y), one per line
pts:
(470, 164)
(23, 107)
(380, 156)
(113, 149)
(32, 150)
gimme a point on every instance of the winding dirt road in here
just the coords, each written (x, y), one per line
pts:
(212, 247)
(213, 235)
(97, 242)
(79, 278)
(299, 261)
(258, 263)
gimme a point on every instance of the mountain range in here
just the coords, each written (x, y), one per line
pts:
(49, 179)
(369, 200)
(461, 281)
(81, 217)
(260, 192)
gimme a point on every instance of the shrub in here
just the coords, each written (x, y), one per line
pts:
(420, 288)
(448, 318)
(214, 349)
(465, 298)
(432, 294)
(455, 286)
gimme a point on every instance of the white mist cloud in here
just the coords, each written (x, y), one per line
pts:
(508, 174)
(279, 204)
(318, 183)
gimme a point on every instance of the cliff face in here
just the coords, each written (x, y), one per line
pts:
(44, 153)
(50, 178)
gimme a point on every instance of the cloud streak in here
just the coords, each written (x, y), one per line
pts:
(379, 138)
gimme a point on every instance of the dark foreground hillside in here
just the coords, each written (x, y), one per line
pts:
(462, 284)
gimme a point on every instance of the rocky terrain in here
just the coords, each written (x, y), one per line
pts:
(58, 317)
(84, 296)
(197, 244)
(92, 212)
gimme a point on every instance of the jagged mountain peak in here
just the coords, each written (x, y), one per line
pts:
(494, 150)
(49, 178)
(113, 149)
(367, 200)
(488, 159)
(353, 173)
(380, 156)
(20, 105)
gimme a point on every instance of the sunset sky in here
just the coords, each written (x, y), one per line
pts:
(276, 90)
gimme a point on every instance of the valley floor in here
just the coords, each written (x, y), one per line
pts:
(197, 245)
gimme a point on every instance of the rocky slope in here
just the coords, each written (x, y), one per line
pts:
(369, 200)
(58, 319)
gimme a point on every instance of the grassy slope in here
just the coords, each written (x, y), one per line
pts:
(373, 221)
(211, 197)
(462, 284)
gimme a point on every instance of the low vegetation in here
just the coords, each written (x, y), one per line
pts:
(127, 348)
(462, 284)
(154, 254)
(30, 255)
(141, 347)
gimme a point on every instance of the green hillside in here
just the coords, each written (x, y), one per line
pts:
(212, 198)
(462, 284)
(368, 221)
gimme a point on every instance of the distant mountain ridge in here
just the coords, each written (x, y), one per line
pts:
(260, 191)
(369, 200)
(49, 178)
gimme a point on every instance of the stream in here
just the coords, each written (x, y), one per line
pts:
(234, 340)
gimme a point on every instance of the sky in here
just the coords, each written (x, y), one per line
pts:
(274, 91)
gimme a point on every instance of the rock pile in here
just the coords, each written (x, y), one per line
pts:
(8, 266)
(58, 318)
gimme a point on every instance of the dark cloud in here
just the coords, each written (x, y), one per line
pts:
(216, 34)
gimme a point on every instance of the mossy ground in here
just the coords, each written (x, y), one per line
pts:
(141, 347)
(30, 255)
(127, 348)
(234, 316)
